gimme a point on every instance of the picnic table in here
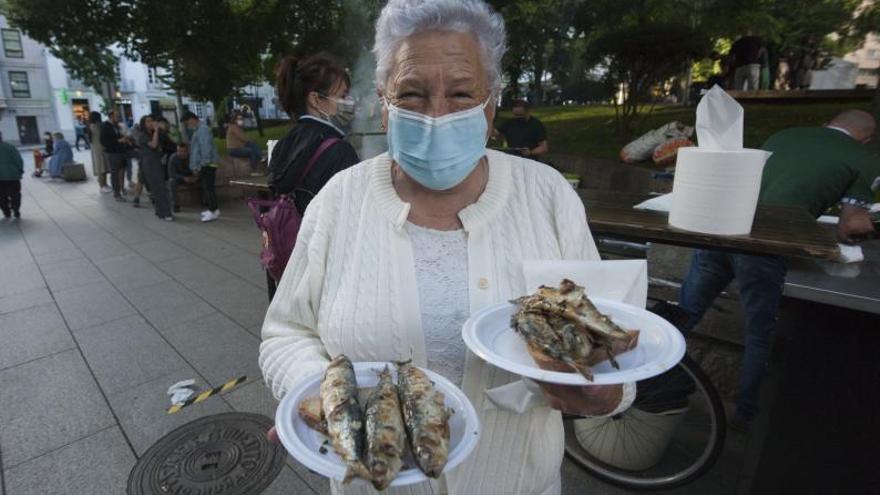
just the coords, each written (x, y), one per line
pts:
(778, 230)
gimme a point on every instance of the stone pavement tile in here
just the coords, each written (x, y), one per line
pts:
(20, 277)
(58, 256)
(246, 266)
(24, 300)
(164, 318)
(318, 483)
(131, 271)
(69, 274)
(193, 271)
(256, 330)
(253, 397)
(133, 232)
(92, 305)
(160, 250)
(125, 353)
(167, 294)
(208, 246)
(43, 244)
(96, 464)
(104, 249)
(217, 347)
(46, 404)
(288, 483)
(32, 333)
(237, 299)
(141, 410)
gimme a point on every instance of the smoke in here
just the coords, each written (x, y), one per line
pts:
(367, 135)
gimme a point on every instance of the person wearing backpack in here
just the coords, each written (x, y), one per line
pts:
(314, 91)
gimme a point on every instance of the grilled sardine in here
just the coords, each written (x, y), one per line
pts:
(343, 416)
(386, 437)
(426, 418)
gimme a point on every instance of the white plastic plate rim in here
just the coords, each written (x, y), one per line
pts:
(287, 419)
(672, 351)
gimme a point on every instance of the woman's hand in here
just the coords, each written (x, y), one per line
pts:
(272, 435)
(590, 400)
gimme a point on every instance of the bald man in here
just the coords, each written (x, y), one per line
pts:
(814, 168)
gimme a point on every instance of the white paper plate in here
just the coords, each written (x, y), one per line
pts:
(304, 443)
(661, 346)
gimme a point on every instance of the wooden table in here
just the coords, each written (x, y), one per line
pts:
(778, 230)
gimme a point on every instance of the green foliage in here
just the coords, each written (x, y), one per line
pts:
(587, 130)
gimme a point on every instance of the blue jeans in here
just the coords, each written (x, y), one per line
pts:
(760, 280)
(249, 150)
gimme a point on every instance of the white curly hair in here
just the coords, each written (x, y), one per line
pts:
(401, 18)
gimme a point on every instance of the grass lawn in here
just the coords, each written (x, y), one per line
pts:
(590, 130)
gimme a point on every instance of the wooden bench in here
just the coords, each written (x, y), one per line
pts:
(231, 168)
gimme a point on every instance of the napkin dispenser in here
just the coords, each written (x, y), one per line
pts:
(716, 185)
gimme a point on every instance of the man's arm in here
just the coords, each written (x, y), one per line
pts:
(855, 224)
(539, 150)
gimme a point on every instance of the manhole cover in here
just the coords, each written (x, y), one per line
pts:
(224, 454)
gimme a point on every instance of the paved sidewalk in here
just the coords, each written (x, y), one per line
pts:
(103, 307)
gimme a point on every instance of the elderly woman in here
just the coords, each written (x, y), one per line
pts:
(396, 252)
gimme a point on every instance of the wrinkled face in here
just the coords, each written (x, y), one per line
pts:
(436, 73)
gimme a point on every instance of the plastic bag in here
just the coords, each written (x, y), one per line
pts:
(642, 148)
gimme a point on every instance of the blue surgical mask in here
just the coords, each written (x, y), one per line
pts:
(437, 152)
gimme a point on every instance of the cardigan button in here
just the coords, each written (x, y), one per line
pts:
(483, 283)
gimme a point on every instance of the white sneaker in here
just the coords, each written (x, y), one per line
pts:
(106, 190)
(211, 216)
(205, 213)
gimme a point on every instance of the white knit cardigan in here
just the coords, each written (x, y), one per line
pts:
(350, 287)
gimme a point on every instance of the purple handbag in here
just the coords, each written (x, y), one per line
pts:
(279, 221)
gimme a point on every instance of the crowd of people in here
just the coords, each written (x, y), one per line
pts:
(163, 162)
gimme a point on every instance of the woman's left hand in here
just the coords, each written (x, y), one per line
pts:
(590, 400)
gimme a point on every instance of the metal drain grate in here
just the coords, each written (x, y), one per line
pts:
(224, 454)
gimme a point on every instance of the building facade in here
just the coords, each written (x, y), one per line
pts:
(26, 110)
(867, 58)
(37, 95)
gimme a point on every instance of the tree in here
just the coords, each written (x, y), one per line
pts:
(638, 45)
(210, 48)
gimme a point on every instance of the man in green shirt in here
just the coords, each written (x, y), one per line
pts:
(811, 167)
(11, 170)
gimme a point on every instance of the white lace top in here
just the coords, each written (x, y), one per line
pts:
(441, 273)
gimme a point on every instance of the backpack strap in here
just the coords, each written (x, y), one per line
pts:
(324, 146)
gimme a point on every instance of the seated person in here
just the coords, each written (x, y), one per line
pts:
(814, 168)
(238, 145)
(525, 135)
(62, 153)
(179, 173)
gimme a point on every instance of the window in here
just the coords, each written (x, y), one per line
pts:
(151, 76)
(18, 81)
(12, 43)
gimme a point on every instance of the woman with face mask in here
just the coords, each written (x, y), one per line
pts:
(314, 91)
(238, 145)
(396, 252)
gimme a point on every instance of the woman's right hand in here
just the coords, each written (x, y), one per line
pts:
(272, 435)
